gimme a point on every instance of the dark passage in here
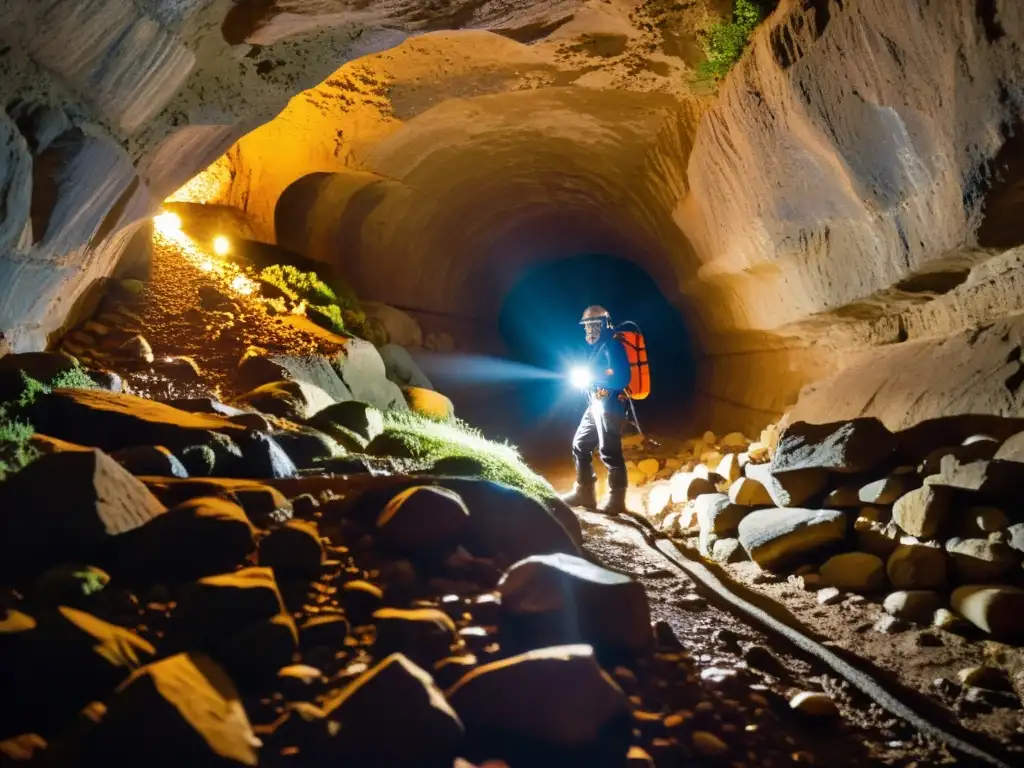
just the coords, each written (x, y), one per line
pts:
(539, 322)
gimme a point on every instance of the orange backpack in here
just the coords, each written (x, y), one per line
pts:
(632, 339)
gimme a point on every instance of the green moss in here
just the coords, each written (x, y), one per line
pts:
(299, 284)
(73, 378)
(427, 442)
(18, 393)
(725, 42)
(326, 316)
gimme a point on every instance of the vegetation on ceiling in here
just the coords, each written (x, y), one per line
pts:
(725, 42)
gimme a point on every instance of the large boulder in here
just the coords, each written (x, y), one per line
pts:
(852, 446)
(562, 599)
(217, 607)
(55, 663)
(314, 374)
(916, 566)
(888, 489)
(393, 715)
(854, 572)
(425, 635)
(773, 537)
(502, 521)
(980, 561)
(150, 460)
(922, 512)
(402, 328)
(65, 505)
(110, 420)
(423, 520)
(429, 403)
(996, 480)
(262, 503)
(995, 609)
(344, 420)
(400, 368)
(198, 537)
(293, 550)
(362, 370)
(183, 710)
(556, 702)
(791, 488)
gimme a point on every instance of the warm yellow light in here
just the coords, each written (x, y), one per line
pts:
(300, 308)
(243, 285)
(221, 245)
(167, 223)
(206, 265)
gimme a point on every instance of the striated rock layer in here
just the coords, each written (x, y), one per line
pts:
(847, 204)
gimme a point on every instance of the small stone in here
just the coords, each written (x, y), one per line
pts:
(995, 609)
(948, 621)
(923, 511)
(136, 348)
(854, 572)
(814, 704)
(829, 596)
(843, 497)
(888, 625)
(917, 606)
(707, 744)
(729, 468)
(985, 677)
(658, 501)
(980, 561)
(916, 566)
(983, 699)
(638, 757)
(709, 438)
(889, 489)
(759, 657)
(424, 635)
(988, 520)
(728, 551)
(648, 466)
(694, 603)
(360, 600)
(749, 493)
(294, 549)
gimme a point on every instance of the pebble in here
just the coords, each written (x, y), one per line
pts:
(829, 596)
(986, 677)
(888, 625)
(707, 744)
(814, 704)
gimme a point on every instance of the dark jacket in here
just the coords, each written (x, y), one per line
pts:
(609, 365)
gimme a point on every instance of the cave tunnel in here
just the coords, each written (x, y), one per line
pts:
(532, 403)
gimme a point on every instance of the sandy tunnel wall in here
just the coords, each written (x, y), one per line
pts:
(851, 189)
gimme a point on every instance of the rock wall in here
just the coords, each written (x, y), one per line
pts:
(851, 194)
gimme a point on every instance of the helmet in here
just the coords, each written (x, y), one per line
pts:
(595, 313)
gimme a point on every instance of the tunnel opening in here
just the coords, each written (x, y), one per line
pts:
(535, 405)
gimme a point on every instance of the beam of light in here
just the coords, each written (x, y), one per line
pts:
(581, 377)
(221, 245)
(481, 369)
(167, 223)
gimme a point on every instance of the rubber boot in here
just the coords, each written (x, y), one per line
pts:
(582, 495)
(615, 503)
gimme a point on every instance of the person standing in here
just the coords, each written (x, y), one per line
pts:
(602, 423)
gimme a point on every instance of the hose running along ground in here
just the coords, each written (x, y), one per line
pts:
(720, 589)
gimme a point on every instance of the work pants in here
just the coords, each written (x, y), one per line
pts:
(601, 427)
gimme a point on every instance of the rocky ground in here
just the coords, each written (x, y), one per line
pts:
(232, 570)
(905, 549)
